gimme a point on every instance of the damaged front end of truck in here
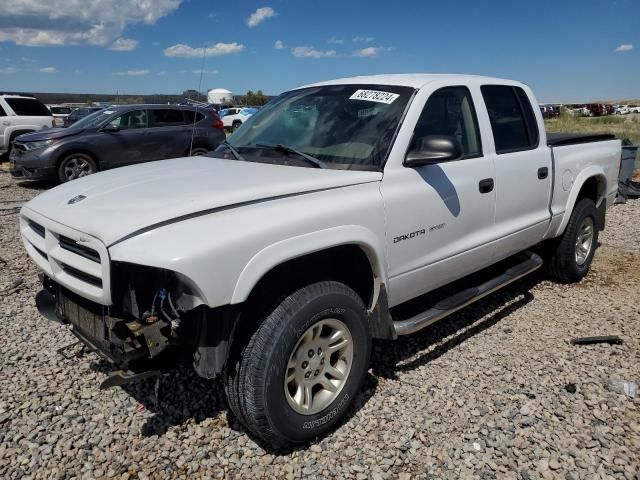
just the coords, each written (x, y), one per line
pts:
(156, 321)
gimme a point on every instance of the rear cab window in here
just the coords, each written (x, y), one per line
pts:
(513, 122)
(28, 107)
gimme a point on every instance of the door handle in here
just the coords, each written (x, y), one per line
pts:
(6, 123)
(543, 172)
(486, 185)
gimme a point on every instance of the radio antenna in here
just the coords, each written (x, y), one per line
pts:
(195, 116)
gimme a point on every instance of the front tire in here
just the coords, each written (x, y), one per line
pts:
(76, 165)
(572, 254)
(236, 125)
(303, 366)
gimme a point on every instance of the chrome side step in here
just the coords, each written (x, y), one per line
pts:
(461, 299)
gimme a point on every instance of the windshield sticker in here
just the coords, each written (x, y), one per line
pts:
(374, 96)
(366, 112)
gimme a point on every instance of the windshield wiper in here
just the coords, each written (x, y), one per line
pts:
(287, 149)
(234, 152)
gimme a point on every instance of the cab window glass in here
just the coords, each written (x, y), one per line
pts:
(512, 120)
(449, 111)
(167, 117)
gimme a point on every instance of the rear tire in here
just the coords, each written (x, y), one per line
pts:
(76, 165)
(571, 254)
(302, 367)
(198, 151)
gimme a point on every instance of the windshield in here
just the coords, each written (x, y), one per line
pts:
(344, 126)
(93, 120)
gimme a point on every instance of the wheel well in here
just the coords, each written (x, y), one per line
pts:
(347, 264)
(592, 188)
(197, 145)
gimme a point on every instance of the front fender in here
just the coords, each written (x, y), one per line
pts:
(288, 249)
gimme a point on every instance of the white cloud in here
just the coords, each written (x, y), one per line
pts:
(134, 73)
(310, 52)
(367, 52)
(124, 45)
(206, 72)
(28, 60)
(161, 74)
(363, 39)
(36, 23)
(48, 70)
(260, 15)
(625, 47)
(8, 70)
(278, 45)
(182, 50)
(335, 41)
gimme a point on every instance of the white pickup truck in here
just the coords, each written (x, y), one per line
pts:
(277, 261)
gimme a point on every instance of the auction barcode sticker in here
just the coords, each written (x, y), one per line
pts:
(374, 96)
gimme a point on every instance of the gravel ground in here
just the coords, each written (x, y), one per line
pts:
(495, 391)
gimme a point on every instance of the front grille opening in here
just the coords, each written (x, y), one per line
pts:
(36, 227)
(71, 245)
(44, 255)
(85, 277)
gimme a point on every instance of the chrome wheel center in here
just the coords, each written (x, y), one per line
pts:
(584, 241)
(318, 366)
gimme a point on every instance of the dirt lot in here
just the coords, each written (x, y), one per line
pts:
(496, 391)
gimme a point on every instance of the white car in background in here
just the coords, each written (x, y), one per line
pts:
(232, 118)
(59, 112)
(18, 115)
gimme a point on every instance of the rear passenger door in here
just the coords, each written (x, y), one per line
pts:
(169, 134)
(523, 169)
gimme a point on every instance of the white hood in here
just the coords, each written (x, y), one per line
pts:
(125, 200)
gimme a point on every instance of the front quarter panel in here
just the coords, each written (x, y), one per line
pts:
(225, 254)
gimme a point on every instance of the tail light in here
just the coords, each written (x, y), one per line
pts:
(217, 123)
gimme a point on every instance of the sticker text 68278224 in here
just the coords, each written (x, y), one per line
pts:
(374, 96)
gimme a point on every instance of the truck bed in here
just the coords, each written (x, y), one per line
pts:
(561, 139)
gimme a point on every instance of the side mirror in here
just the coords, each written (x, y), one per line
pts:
(434, 149)
(111, 128)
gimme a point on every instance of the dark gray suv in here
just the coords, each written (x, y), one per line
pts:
(114, 137)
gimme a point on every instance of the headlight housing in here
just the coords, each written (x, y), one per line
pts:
(28, 146)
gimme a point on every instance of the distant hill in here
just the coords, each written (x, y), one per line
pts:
(56, 98)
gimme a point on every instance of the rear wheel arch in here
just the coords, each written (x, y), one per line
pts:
(591, 184)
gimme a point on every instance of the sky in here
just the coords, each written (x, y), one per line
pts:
(566, 50)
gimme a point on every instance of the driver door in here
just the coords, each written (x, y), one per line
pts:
(126, 145)
(439, 219)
